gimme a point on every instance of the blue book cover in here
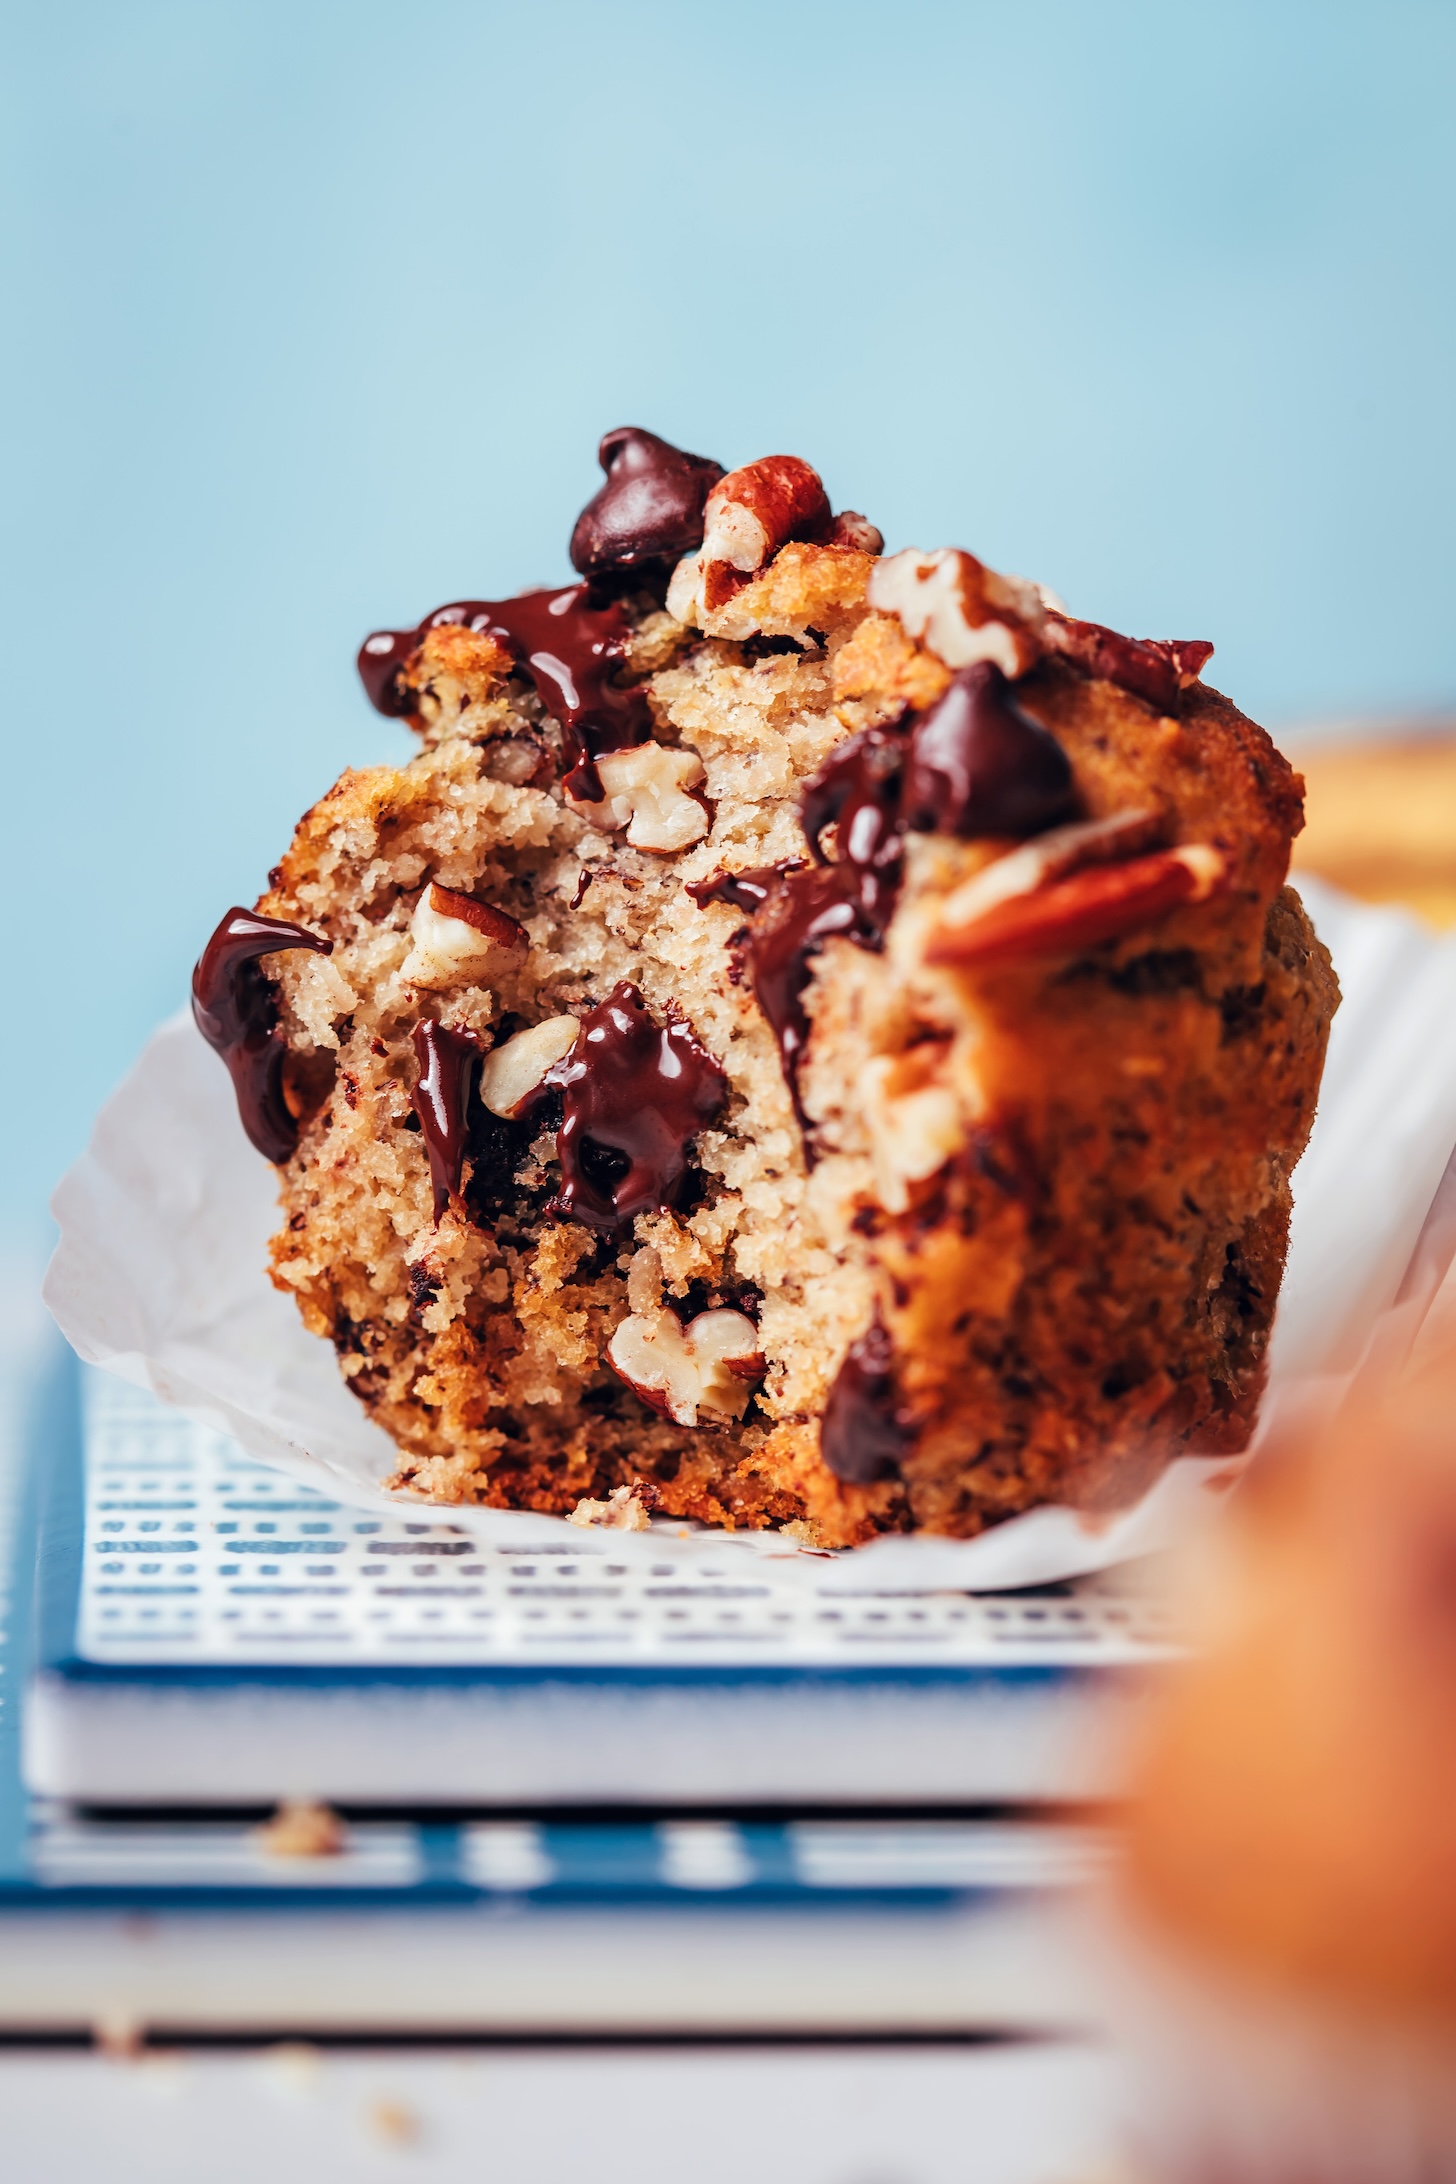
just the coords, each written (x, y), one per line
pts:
(210, 1631)
(170, 1602)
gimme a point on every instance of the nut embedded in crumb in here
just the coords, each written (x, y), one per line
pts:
(453, 937)
(622, 1511)
(1098, 904)
(962, 610)
(709, 1366)
(511, 1072)
(754, 511)
(1050, 856)
(646, 794)
(303, 1829)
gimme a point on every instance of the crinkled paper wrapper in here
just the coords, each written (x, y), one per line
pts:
(165, 1221)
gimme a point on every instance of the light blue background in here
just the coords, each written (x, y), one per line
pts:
(315, 313)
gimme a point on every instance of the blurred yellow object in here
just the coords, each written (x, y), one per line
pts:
(1380, 820)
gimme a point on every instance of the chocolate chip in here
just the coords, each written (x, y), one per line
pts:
(865, 1434)
(857, 792)
(635, 1094)
(744, 890)
(571, 644)
(649, 510)
(236, 1010)
(979, 764)
(448, 1063)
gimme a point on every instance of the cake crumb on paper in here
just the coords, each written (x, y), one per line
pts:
(622, 1511)
(302, 1828)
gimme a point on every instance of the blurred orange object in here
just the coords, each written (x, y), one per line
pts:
(1290, 1874)
(1380, 819)
(1298, 1814)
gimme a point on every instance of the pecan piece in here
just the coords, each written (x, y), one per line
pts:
(1098, 904)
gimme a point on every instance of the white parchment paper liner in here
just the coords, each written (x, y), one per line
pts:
(165, 1219)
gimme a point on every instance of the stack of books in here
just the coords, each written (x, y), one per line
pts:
(287, 1768)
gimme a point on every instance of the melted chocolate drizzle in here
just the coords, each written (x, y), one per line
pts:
(974, 764)
(864, 1433)
(745, 890)
(857, 791)
(977, 764)
(649, 512)
(571, 644)
(236, 1009)
(448, 1063)
(634, 1095)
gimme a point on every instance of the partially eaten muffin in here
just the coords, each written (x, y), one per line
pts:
(812, 1037)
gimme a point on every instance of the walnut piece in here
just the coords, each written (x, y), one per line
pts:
(962, 610)
(707, 1367)
(453, 937)
(510, 1073)
(645, 794)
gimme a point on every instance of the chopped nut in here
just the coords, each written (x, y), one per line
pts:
(453, 937)
(1157, 669)
(510, 1073)
(852, 529)
(645, 793)
(755, 510)
(749, 515)
(685, 591)
(914, 1121)
(708, 1366)
(1092, 906)
(962, 610)
(805, 588)
(622, 1511)
(1048, 857)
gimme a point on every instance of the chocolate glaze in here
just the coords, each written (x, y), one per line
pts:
(974, 764)
(634, 1095)
(864, 1433)
(810, 908)
(857, 792)
(448, 1063)
(745, 890)
(569, 642)
(236, 1009)
(1154, 668)
(650, 510)
(978, 764)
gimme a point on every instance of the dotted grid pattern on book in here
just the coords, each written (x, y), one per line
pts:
(194, 1552)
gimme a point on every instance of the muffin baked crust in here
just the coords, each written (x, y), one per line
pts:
(984, 1196)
